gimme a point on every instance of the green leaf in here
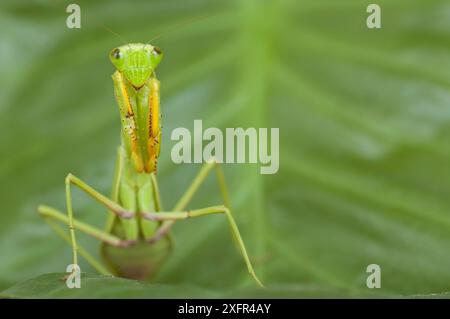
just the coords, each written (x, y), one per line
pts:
(53, 286)
(364, 141)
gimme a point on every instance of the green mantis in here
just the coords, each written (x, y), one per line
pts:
(137, 239)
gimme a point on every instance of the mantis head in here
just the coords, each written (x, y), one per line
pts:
(136, 61)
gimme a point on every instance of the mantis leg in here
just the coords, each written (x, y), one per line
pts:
(158, 201)
(190, 192)
(180, 215)
(198, 180)
(83, 252)
(110, 204)
(52, 216)
(116, 185)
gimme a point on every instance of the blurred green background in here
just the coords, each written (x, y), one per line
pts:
(364, 141)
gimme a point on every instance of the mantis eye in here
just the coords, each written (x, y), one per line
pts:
(156, 51)
(116, 54)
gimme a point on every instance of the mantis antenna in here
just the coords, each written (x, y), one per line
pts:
(115, 33)
(177, 26)
(170, 29)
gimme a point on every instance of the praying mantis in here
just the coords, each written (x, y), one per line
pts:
(137, 239)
